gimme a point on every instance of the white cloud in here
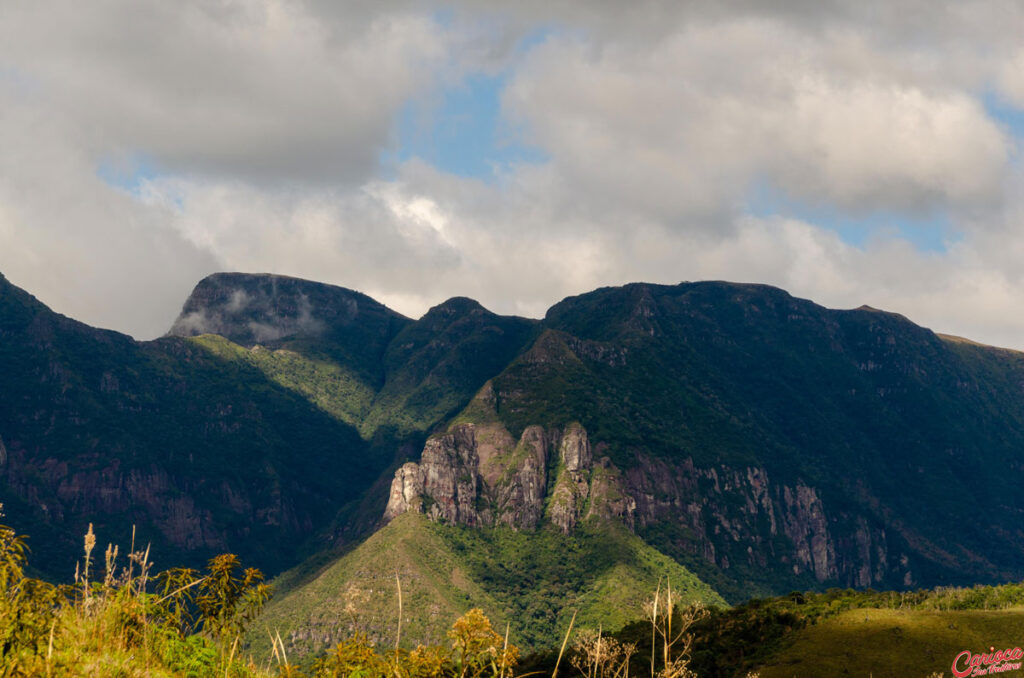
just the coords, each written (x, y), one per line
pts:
(682, 128)
(86, 249)
(262, 89)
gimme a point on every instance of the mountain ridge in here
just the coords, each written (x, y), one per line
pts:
(763, 441)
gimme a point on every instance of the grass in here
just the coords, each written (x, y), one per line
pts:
(124, 622)
(335, 389)
(358, 594)
(887, 642)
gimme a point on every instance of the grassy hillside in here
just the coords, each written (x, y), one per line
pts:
(885, 642)
(359, 592)
(533, 582)
(840, 633)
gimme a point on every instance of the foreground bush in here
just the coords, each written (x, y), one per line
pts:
(475, 651)
(125, 621)
(110, 623)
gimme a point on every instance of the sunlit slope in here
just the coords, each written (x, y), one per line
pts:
(532, 582)
(350, 355)
(885, 642)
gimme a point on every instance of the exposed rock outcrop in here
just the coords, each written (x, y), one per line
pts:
(479, 475)
(734, 515)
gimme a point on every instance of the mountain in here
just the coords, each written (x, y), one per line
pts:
(251, 441)
(373, 368)
(201, 454)
(764, 441)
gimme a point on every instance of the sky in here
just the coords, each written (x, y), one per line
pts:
(850, 153)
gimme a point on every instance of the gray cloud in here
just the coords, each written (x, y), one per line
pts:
(260, 90)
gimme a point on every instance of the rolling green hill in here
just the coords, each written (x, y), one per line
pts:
(531, 581)
(885, 642)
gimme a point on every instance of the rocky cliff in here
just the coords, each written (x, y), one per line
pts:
(480, 475)
(764, 441)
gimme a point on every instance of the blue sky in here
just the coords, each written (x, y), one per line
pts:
(461, 130)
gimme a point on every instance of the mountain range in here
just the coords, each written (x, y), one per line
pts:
(746, 441)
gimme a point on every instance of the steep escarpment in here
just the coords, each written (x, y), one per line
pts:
(718, 519)
(480, 476)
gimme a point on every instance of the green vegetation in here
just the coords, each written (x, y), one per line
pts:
(122, 620)
(358, 593)
(204, 443)
(879, 415)
(894, 642)
(843, 631)
(325, 383)
(601, 572)
(125, 622)
(277, 439)
(200, 450)
(532, 581)
(110, 623)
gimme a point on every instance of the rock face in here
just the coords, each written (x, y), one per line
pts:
(479, 475)
(735, 515)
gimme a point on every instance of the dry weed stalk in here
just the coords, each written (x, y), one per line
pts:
(676, 639)
(596, 656)
(565, 641)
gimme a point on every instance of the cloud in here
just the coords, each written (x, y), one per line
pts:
(254, 98)
(681, 129)
(88, 250)
(263, 90)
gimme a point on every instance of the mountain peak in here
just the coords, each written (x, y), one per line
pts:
(456, 306)
(264, 308)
